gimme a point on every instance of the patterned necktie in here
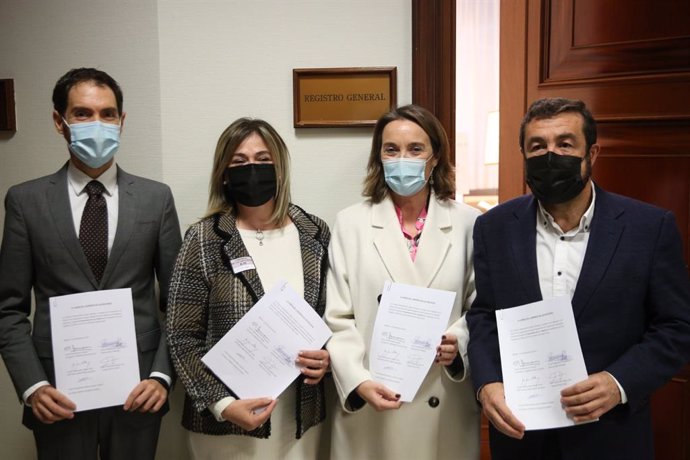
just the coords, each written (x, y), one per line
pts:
(93, 231)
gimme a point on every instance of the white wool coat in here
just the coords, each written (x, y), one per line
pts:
(368, 248)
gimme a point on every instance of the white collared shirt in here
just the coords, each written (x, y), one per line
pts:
(560, 255)
(76, 182)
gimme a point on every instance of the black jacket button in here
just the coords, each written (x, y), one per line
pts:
(433, 401)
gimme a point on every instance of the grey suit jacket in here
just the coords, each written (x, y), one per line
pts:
(40, 250)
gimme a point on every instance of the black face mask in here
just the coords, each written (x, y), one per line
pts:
(251, 184)
(555, 178)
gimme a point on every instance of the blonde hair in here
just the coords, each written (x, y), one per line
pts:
(228, 143)
(443, 175)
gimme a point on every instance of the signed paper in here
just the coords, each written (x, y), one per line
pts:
(409, 324)
(540, 355)
(94, 347)
(256, 358)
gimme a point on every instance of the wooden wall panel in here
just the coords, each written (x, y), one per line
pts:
(585, 39)
(606, 22)
(635, 79)
(672, 418)
(624, 174)
(649, 161)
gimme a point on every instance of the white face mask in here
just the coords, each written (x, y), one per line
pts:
(94, 142)
(405, 176)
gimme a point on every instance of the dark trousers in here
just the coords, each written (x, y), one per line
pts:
(110, 433)
(618, 436)
(541, 445)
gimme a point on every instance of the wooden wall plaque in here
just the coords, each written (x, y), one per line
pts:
(342, 97)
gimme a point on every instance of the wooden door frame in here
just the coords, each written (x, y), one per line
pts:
(512, 97)
(433, 61)
(433, 78)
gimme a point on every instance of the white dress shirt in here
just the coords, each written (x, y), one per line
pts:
(560, 256)
(76, 188)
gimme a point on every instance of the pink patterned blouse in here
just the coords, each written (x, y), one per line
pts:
(412, 241)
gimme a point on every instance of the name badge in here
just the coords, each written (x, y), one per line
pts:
(242, 264)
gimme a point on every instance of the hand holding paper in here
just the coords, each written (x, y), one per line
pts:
(249, 414)
(378, 395)
(404, 343)
(147, 396)
(588, 400)
(49, 405)
(492, 398)
(540, 356)
(447, 350)
(314, 365)
(94, 347)
(257, 357)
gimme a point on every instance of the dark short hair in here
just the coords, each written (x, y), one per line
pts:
(550, 107)
(443, 174)
(84, 74)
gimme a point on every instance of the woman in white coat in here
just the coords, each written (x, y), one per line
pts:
(409, 230)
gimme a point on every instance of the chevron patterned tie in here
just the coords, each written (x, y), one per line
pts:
(93, 230)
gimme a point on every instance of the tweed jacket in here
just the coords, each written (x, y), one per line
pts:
(207, 299)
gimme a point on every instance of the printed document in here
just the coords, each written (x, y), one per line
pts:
(95, 347)
(540, 356)
(409, 324)
(256, 358)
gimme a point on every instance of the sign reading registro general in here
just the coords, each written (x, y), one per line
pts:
(342, 97)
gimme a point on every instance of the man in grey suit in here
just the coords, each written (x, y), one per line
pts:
(45, 248)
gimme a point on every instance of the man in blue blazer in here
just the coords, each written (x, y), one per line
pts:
(45, 250)
(619, 260)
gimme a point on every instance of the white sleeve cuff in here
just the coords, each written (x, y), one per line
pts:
(624, 397)
(218, 407)
(31, 389)
(161, 375)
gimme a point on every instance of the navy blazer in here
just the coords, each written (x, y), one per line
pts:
(631, 307)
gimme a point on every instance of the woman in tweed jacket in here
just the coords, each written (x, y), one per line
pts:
(251, 237)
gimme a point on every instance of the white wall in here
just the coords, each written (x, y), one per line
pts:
(221, 60)
(40, 41)
(188, 69)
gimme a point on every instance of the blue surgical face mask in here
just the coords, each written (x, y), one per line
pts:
(405, 176)
(94, 142)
